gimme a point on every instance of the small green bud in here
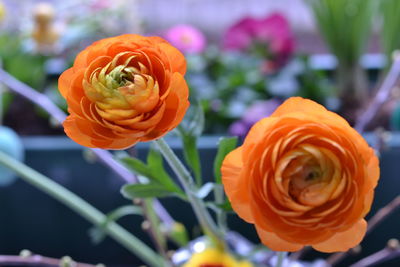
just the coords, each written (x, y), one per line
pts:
(67, 261)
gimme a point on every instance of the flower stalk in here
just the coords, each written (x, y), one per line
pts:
(200, 210)
(221, 215)
(39, 260)
(154, 229)
(82, 208)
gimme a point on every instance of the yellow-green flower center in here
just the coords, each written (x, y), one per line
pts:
(121, 90)
(310, 176)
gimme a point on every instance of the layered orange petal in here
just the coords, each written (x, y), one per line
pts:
(304, 177)
(64, 82)
(123, 90)
(234, 183)
(276, 243)
(343, 241)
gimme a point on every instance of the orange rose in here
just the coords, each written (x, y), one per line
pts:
(303, 177)
(123, 90)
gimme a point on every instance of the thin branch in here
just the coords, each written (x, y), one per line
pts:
(382, 214)
(104, 156)
(382, 95)
(300, 254)
(35, 260)
(386, 254)
(152, 227)
(336, 258)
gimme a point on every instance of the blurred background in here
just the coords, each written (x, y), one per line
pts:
(244, 58)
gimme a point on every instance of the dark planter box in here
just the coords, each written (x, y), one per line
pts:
(31, 220)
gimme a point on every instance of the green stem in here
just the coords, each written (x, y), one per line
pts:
(199, 208)
(154, 229)
(83, 208)
(1, 104)
(221, 215)
(281, 257)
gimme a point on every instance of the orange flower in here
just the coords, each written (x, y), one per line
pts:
(123, 90)
(303, 177)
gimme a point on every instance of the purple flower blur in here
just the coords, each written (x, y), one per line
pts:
(254, 113)
(273, 31)
(186, 38)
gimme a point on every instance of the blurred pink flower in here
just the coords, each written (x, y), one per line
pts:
(240, 35)
(101, 4)
(273, 31)
(186, 38)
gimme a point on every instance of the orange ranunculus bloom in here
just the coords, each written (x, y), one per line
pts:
(303, 177)
(123, 90)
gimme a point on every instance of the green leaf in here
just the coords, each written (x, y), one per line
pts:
(153, 170)
(98, 234)
(193, 122)
(191, 155)
(225, 145)
(156, 165)
(192, 127)
(137, 166)
(157, 190)
(158, 173)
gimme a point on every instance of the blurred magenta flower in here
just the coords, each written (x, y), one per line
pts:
(254, 113)
(272, 31)
(240, 35)
(186, 38)
(98, 5)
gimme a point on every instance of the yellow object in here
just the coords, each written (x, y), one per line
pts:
(46, 36)
(212, 257)
(43, 13)
(44, 32)
(2, 11)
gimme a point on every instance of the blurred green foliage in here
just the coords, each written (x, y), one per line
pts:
(25, 66)
(345, 26)
(390, 37)
(228, 83)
